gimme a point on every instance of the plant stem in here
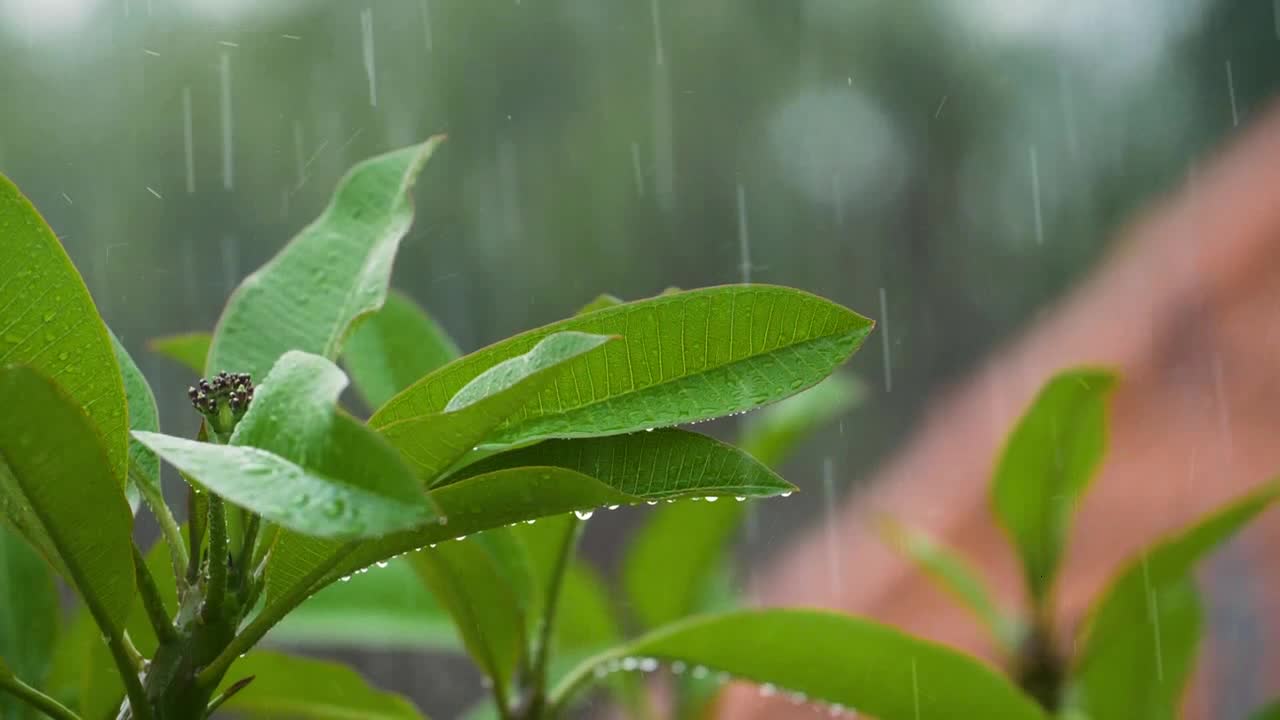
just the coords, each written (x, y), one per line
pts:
(151, 600)
(546, 633)
(168, 525)
(245, 561)
(128, 671)
(212, 674)
(216, 591)
(36, 699)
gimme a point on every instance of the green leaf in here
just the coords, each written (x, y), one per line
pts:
(294, 687)
(434, 442)
(83, 675)
(50, 323)
(59, 487)
(144, 466)
(335, 271)
(830, 658)
(393, 347)
(655, 465)
(296, 461)
(1047, 463)
(188, 349)
(386, 608)
(482, 502)
(470, 579)
(683, 357)
(953, 574)
(773, 433)
(669, 559)
(28, 618)
(1139, 645)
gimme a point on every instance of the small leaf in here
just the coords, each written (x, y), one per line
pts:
(654, 465)
(331, 274)
(833, 659)
(59, 486)
(669, 560)
(1048, 461)
(773, 433)
(393, 347)
(188, 349)
(600, 302)
(468, 578)
(51, 324)
(28, 617)
(144, 466)
(296, 461)
(953, 574)
(1139, 644)
(386, 608)
(305, 689)
(434, 442)
(682, 358)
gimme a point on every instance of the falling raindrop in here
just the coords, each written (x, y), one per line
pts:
(884, 341)
(370, 70)
(744, 237)
(188, 142)
(833, 540)
(1035, 193)
(224, 79)
(1231, 93)
(425, 14)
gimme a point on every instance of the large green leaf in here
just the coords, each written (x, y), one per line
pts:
(1139, 645)
(394, 347)
(683, 357)
(1047, 463)
(188, 349)
(59, 487)
(482, 502)
(654, 465)
(436, 441)
(144, 466)
(28, 617)
(284, 686)
(953, 574)
(471, 579)
(834, 659)
(330, 275)
(298, 462)
(49, 322)
(384, 608)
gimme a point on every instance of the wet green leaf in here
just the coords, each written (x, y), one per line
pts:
(683, 357)
(188, 349)
(297, 461)
(144, 466)
(434, 442)
(305, 689)
(1048, 461)
(1138, 647)
(332, 273)
(829, 658)
(51, 324)
(59, 480)
(393, 347)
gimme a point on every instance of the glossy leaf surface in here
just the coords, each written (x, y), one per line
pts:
(305, 689)
(144, 466)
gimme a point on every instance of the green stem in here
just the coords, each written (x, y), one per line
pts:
(546, 633)
(216, 591)
(36, 699)
(270, 615)
(128, 671)
(168, 525)
(244, 562)
(151, 600)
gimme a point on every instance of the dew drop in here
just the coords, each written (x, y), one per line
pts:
(630, 664)
(530, 522)
(650, 502)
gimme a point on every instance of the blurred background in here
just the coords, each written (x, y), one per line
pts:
(945, 166)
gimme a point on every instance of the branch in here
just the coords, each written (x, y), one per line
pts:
(35, 698)
(151, 600)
